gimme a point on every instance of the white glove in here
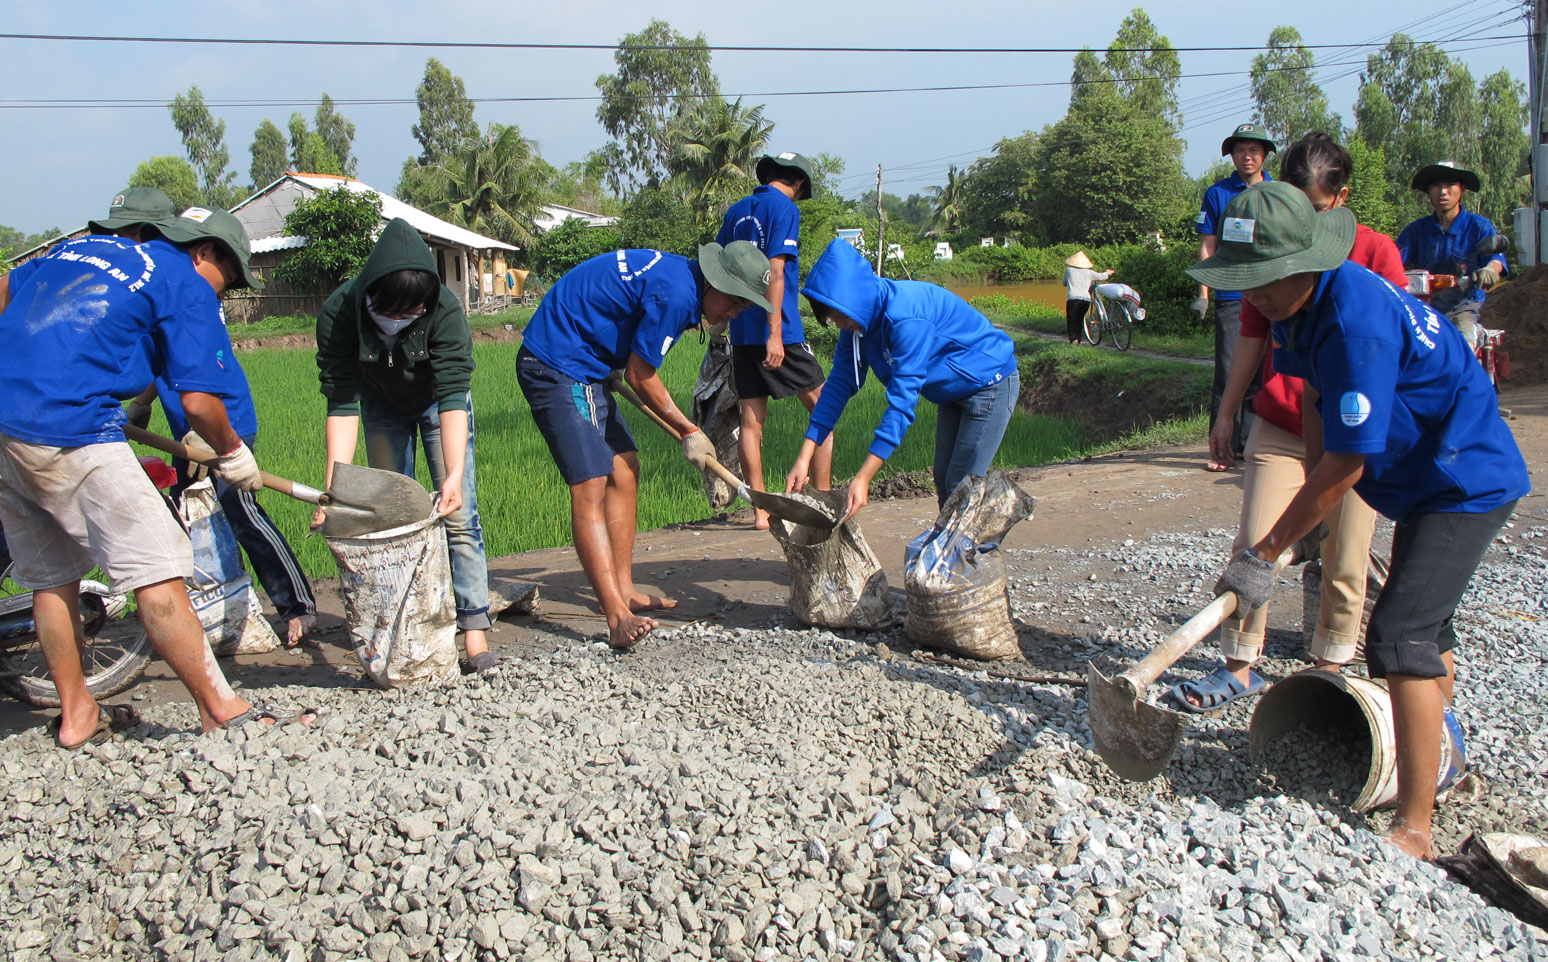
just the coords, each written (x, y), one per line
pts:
(697, 449)
(239, 469)
(201, 452)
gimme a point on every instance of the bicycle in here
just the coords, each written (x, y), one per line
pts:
(1108, 315)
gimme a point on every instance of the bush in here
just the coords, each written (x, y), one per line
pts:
(339, 226)
(568, 244)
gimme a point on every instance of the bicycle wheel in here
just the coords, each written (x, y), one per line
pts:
(116, 652)
(1122, 326)
(1096, 319)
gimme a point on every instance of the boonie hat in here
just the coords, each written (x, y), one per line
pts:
(134, 206)
(204, 223)
(771, 166)
(1249, 131)
(738, 269)
(1270, 231)
(1078, 259)
(1445, 171)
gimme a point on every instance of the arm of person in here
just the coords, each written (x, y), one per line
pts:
(1311, 427)
(454, 450)
(911, 342)
(774, 348)
(646, 381)
(1244, 364)
(5, 291)
(206, 414)
(1207, 245)
(859, 493)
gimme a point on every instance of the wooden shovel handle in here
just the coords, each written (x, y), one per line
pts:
(622, 388)
(294, 489)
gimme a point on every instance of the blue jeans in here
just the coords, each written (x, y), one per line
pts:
(968, 433)
(389, 438)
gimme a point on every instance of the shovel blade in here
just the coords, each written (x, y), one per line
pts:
(367, 500)
(1136, 739)
(790, 509)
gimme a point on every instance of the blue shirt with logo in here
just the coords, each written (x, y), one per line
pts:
(613, 305)
(1400, 385)
(92, 323)
(1211, 210)
(771, 220)
(1425, 246)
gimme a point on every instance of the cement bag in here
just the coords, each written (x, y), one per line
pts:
(397, 590)
(955, 575)
(221, 592)
(835, 579)
(1115, 291)
(715, 411)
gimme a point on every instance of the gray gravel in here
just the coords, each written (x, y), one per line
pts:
(775, 793)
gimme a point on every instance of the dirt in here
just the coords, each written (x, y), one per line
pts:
(1520, 309)
(1111, 403)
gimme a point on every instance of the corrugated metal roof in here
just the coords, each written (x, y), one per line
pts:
(393, 207)
(284, 242)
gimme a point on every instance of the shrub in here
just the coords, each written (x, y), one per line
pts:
(571, 242)
(339, 226)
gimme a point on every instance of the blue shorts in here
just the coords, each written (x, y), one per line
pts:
(578, 419)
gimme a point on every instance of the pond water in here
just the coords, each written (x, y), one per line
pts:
(1047, 293)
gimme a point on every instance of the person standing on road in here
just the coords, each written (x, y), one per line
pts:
(769, 353)
(1277, 463)
(623, 310)
(89, 324)
(1396, 408)
(1079, 275)
(920, 340)
(1444, 242)
(1248, 146)
(394, 355)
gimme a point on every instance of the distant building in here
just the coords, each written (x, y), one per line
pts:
(942, 251)
(553, 215)
(855, 236)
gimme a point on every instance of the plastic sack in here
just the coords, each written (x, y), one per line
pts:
(221, 592)
(716, 412)
(1115, 291)
(954, 573)
(398, 603)
(835, 579)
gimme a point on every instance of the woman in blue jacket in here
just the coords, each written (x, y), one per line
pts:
(918, 339)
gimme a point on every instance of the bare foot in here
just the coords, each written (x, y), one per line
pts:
(1409, 840)
(628, 631)
(640, 601)
(296, 630)
(760, 520)
(1216, 466)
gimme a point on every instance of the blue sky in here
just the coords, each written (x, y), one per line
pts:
(63, 165)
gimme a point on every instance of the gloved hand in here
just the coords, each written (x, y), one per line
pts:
(697, 449)
(196, 471)
(1251, 578)
(138, 414)
(1309, 548)
(239, 469)
(1199, 308)
(1485, 278)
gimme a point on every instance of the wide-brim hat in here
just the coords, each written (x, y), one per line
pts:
(135, 206)
(1256, 132)
(1078, 259)
(771, 166)
(1447, 171)
(204, 223)
(1271, 231)
(739, 269)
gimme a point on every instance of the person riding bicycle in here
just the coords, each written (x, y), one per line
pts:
(1445, 241)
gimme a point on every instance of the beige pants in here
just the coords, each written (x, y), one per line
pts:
(1275, 472)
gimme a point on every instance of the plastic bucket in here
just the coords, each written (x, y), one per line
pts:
(1331, 700)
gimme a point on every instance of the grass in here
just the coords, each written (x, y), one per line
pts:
(1012, 314)
(280, 326)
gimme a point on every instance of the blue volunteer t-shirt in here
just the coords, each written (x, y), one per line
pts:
(1212, 208)
(91, 323)
(1425, 246)
(235, 396)
(771, 220)
(613, 305)
(1399, 384)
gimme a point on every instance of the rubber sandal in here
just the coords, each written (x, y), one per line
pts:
(258, 714)
(479, 663)
(1215, 691)
(111, 719)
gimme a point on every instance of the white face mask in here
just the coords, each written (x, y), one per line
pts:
(390, 326)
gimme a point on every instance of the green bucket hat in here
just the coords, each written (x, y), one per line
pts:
(1445, 170)
(771, 166)
(135, 206)
(1252, 131)
(203, 223)
(1270, 231)
(738, 269)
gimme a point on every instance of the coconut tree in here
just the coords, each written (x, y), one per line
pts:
(716, 148)
(490, 184)
(947, 215)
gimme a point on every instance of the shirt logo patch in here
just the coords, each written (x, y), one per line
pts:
(1201, 218)
(220, 359)
(1239, 230)
(197, 214)
(1354, 408)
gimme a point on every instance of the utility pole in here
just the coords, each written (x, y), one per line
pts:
(1538, 49)
(881, 228)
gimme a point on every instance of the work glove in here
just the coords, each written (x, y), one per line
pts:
(138, 414)
(197, 471)
(1485, 278)
(697, 449)
(1199, 308)
(1309, 548)
(1251, 578)
(239, 469)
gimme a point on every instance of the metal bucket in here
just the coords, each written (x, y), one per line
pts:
(1332, 700)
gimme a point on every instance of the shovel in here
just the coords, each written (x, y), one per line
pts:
(360, 500)
(1135, 738)
(780, 506)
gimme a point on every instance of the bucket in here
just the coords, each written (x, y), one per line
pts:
(1331, 700)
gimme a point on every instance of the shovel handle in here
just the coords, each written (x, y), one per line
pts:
(295, 489)
(622, 388)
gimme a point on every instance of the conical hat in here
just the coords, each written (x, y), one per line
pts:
(1078, 259)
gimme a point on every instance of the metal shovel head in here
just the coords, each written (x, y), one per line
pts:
(1136, 739)
(366, 500)
(786, 508)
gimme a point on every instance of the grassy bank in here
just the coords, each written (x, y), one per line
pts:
(1013, 314)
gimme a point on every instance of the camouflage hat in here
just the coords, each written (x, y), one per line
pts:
(1249, 131)
(1446, 172)
(771, 166)
(135, 206)
(739, 269)
(203, 223)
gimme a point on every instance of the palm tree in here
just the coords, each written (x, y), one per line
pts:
(947, 215)
(490, 184)
(716, 149)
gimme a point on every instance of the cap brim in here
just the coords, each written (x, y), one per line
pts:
(179, 234)
(110, 224)
(1333, 236)
(1429, 175)
(1225, 145)
(722, 280)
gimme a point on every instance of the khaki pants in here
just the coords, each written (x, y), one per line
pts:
(1275, 472)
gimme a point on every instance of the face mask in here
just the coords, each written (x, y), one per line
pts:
(390, 326)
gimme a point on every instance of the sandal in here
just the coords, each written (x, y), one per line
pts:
(479, 663)
(111, 719)
(262, 713)
(1215, 690)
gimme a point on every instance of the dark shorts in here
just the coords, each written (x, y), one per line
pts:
(1433, 558)
(578, 419)
(799, 371)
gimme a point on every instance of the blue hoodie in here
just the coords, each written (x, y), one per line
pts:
(918, 338)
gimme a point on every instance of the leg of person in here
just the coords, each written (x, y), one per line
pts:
(1465, 315)
(464, 536)
(1346, 554)
(1409, 643)
(1227, 333)
(1074, 314)
(822, 461)
(985, 414)
(621, 508)
(754, 412)
(273, 561)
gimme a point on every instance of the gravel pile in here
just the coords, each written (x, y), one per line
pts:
(776, 793)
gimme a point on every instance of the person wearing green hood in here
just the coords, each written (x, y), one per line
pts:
(394, 353)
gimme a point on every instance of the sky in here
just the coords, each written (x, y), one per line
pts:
(62, 165)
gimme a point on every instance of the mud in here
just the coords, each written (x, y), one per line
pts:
(1520, 309)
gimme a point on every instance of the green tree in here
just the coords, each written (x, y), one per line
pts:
(1145, 68)
(309, 152)
(946, 216)
(269, 155)
(579, 184)
(1284, 86)
(1503, 148)
(716, 146)
(656, 218)
(340, 227)
(338, 133)
(490, 185)
(17, 241)
(661, 75)
(445, 113)
(204, 138)
(827, 169)
(1368, 188)
(998, 191)
(172, 176)
(569, 243)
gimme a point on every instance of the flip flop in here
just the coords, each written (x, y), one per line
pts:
(258, 714)
(1215, 691)
(479, 663)
(111, 719)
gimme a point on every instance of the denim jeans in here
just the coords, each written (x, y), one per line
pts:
(968, 433)
(389, 438)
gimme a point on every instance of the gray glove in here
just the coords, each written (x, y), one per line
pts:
(1251, 578)
(697, 449)
(239, 469)
(1485, 278)
(138, 414)
(1309, 548)
(1199, 308)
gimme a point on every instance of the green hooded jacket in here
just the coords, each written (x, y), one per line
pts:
(432, 359)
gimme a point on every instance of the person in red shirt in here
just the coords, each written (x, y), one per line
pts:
(1278, 459)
